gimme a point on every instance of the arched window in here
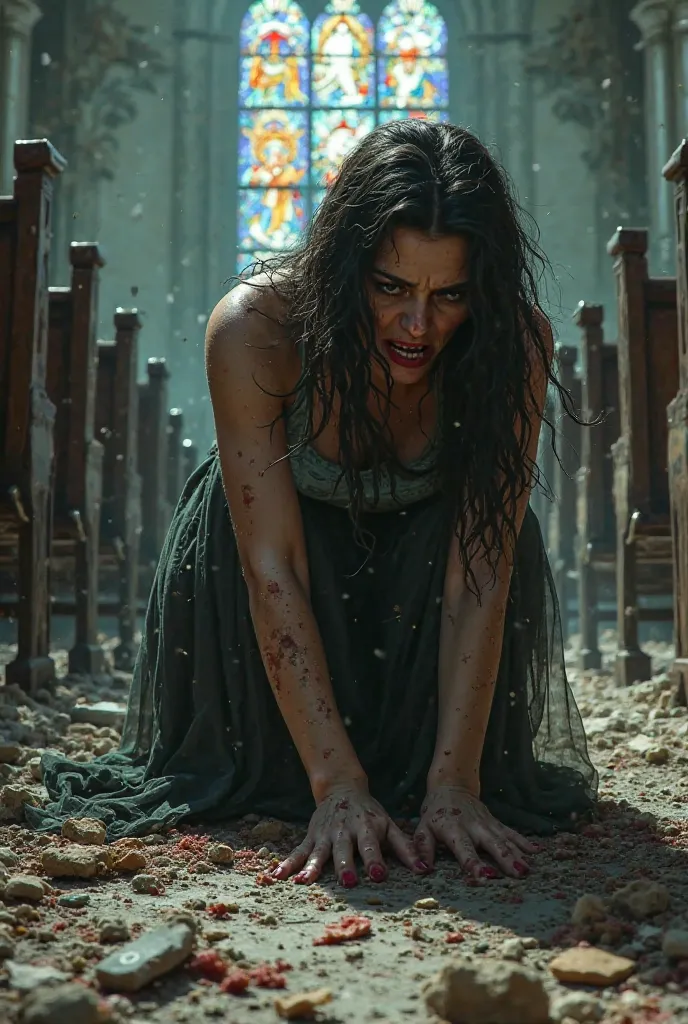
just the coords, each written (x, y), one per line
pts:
(309, 93)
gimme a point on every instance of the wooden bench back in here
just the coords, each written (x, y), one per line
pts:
(648, 368)
(25, 221)
(600, 394)
(117, 419)
(676, 171)
(72, 361)
(562, 519)
(152, 457)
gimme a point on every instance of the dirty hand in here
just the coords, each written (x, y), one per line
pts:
(346, 820)
(455, 816)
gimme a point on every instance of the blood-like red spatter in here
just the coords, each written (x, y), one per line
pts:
(209, 964)
(236, 982)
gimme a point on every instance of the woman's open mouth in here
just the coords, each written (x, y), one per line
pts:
(403, 354)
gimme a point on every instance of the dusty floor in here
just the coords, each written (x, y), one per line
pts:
(639, 743)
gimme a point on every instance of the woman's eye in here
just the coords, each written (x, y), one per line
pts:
(387, 288)
(456, 296)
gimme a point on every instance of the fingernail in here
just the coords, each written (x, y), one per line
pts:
(421, 865)
(488, 872)
(349, 879)
(301, 877)
(520, 868)
(377, 873)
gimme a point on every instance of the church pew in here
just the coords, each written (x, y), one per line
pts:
(175, 462)
(153, 443)
(27, 415)
(648, 380)
(596, 525)
(676, 171)
(561, 521)
(116, 428)
(72, 358)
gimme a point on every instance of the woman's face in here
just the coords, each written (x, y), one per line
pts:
(418, 291)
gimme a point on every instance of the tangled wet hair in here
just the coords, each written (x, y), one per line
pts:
(439, 179)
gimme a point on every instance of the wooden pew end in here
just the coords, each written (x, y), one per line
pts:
(87, 659)
(632, 667)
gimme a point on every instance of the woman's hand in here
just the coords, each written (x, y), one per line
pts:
(456, 817)
(346, 820)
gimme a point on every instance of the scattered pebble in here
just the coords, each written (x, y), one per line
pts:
(428, 903)
(74, 861)
(220, 853)
(587, 965)
(115, 930)
(675, 944)
(65, 1004)
(25, 887)
(302, 1005)
(88, 831)
(475, 992)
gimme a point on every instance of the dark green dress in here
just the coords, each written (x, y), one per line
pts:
(204, 739)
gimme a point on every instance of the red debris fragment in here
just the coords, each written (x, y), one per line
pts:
(218, 910)
(351, 926)
(209, 964)
(236, 982)
(454, 937)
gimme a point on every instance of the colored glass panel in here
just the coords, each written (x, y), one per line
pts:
(317, 196)
(273, 147)
(273, 81)
(407, 81)
(334, 133)
(412, 26)
(274, 27)
(270, 218)
(343, 44)
(419, 115)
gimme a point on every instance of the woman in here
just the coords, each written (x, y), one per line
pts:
(372, 629)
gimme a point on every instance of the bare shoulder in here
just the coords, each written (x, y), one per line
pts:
(247, 331)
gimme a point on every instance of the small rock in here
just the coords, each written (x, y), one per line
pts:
(34, 766)
(103, 712)
(25, 887)
(475, 992)
(74, 899)
(74, 861)
(512, 949)
(153, 954)
(268, 831)
(302, 1005)
(201, 867)
(641, 743)
(87, 831)
(428, 903)
(65, 1004)
(6, 943)
(578, 1006)
(8, 857)
(115, 930)
(220, 853)
(129, 860)
(14, 797)
(145, 883)
(27, 977)
(588, 909)
(675, 944)
(530, 942)
(591, 966)
(641, 899)
(657, 755)
(10, 753)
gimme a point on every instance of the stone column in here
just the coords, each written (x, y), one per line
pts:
(681, 37)
(17, 18)
(653, 18)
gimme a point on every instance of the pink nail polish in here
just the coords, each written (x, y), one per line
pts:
(488, 872)
(520, 868)
(349, 879)
(377, 873)
(420, 865)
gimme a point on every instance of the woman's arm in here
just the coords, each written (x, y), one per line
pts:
(471, 636)
(245, 349)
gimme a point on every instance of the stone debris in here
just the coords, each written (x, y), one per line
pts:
(115, 930)
(128, 860)
(151, 955)
(27, 977)
(10, 753)
(101, 713)
(74, 861)
(302, 1005)
(577, 1006)
(657, 755)
(487, 992)
(589, 909)
(428, 903)
(587, 965)
(25, 887)
(512, 949)
(675, 944)
(641, 899)
(268, 831)
(65, 1004)
(145, 883)
(220, 853)
(74, 899)
(87, 831)
(8, 857)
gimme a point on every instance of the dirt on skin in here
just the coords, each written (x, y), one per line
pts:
(639, 743)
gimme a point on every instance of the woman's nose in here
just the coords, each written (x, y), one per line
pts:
(415, 321)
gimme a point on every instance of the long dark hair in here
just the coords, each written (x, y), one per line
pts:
(440, 179)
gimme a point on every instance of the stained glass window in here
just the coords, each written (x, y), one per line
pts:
(308, 93)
